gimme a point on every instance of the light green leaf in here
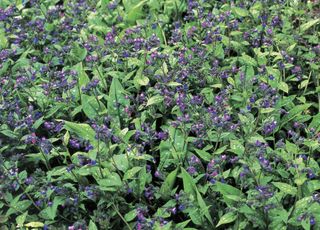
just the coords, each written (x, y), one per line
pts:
(141, 80)
(34, 225)
(283, 86)
(131, 172)
(203, 154)
(21, 219)
(121, 162)
(92, 225)
(236, 147)
(286, 188)
(134, 10)
(78, 53)
(309, 24)
(3, 40)
(219, 51)
(173, 84)
(247, 60)
(240, 11)
(130, 215)
(220, 150)
(155, 100)
(315, 123)
(116, 98)
(227, 218)
(111, 183)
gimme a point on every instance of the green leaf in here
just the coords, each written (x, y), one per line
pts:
(134, 10)
(21, 219)
(92, 225)
(313, 185)
(131, 172)
(82, 130)
(34, 224)
(82, 75)
(300, 180)
(121, 162)
(309, 24)
(21, 63)
(116, 98)
(227, 218)
(9, 133)
(283, 86)
(3, 219)
(231, 81)
(155, 100)
(267, 110)
(291, 148)
(167, 186)
(91, 106)
(3, 40)
(236, 147)
(203, 154)
(298, 109)
(183, 225)
(142, 180)
(286, 188)
(51, 211)
(18, 205)
(315, 123)
(83, 80)
(247, 60)
(220, 150)
(37, 123)
(141, 80)
(188, 183)
(111, 183)
(226, 189)
(130, 215)
(195, 217)
(173, 84)
(203, 207)
(66, 138)
(78, 53)
(306, 224)
(240, 11)
(219, 51)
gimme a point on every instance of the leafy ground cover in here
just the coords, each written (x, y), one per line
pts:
(159, 114)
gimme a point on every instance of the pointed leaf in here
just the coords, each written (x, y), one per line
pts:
(227, 218)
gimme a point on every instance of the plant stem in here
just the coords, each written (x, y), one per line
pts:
(120, 215)
(99, 157)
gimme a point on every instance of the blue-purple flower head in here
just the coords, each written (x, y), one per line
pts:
(269, 127)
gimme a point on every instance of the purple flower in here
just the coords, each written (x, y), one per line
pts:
(191, 170)
(28, 180)
(268, 128)
(312, 220)
(265, 192)
(74, 143)
(45, 145)
(162, 135)
(157, 174)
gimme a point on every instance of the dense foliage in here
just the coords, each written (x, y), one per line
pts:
(159, 114)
